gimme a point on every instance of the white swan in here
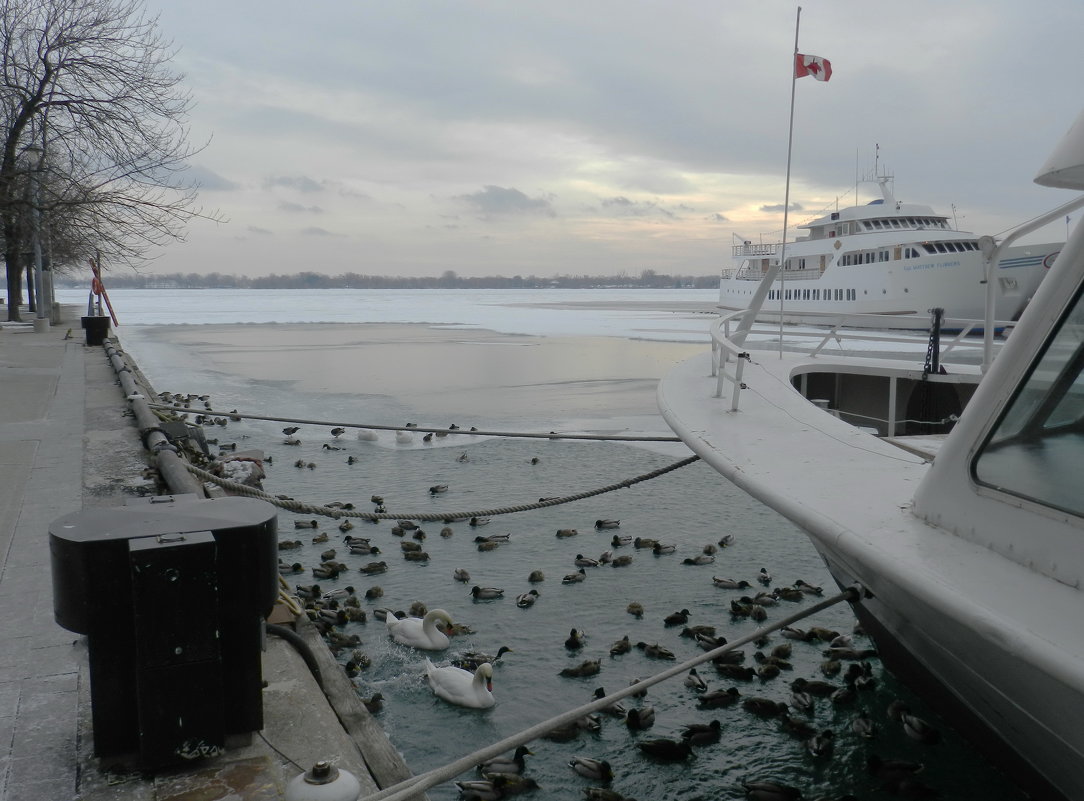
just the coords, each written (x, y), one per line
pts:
(461, 687)
(420, 632)
(404, 437)
(366, 435)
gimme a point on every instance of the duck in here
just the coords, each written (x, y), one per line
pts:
(892, 770)
(478, 521)
(595, 769)
(766, 790)
(695, 681)
(507, 764)
(621, 561)
(618, 540)
(677, 618)
(605, 557)
(327, 447)
(702, 733)
(616, 708)
(461, 574)
(666, 750)
(418, 609)
(661, 550)
(482, 789)
(821, 745)
(726, 540)
(574, 578)
(565, 533)
(374, 703)
(622, 646)
(699, 559)
(493, 538)
(802, 701)
(764, 577)
(305, 524)
(601, 524)
(863, 726)
(338, 594)
(420, 632)
(461, 687)
(470, 660)
(918, 729)
(820, 689)
(526, 599)
(655, 651)
(437, 489)
(589, 667)
(585, 561)
(486, 593)
(807, 588)
(636, 609)
(446, 532)
(416, 556)
(289, 431)
(644, 542)
(536, 576)
(487, 545)
(373, 593)
(575, 640)
(717, 699)
(639, 718)
(764, 707)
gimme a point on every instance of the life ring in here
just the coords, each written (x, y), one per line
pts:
(1050, 257)
(96, 286)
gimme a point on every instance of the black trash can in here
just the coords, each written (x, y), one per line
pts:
(97, 329)
(172, 593)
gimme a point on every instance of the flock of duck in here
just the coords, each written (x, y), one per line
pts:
(466, 680)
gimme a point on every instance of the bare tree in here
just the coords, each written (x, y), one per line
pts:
(90, 83)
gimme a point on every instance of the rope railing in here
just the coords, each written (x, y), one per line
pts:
(411, 787)
(234, 414)
(336, 512)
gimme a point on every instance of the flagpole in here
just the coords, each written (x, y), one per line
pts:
(786, 194)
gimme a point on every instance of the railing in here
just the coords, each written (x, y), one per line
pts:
(746, 273)
(728, 358)
(748, 249)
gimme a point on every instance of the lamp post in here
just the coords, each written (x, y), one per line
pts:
(41, 321)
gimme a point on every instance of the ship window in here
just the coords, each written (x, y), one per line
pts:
(1036, 448)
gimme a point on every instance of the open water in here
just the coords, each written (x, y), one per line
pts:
(690, 508)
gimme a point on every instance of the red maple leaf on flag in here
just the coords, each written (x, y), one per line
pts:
(819, 68)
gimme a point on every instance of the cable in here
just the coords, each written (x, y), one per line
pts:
(302, 647)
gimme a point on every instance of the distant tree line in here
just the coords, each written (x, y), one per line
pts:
(447, 280)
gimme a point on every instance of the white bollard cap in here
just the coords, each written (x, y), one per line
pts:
(324, 782)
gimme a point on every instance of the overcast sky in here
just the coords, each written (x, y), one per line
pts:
(410, 137)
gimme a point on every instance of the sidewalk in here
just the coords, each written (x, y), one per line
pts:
(66, 445)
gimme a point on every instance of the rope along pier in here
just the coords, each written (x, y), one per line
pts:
(331, 423)
(412, 787)
(327, 511)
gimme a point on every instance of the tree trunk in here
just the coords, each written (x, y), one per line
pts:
(15, 286)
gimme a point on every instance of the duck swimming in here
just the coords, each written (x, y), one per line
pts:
(461, 687)
(526, 599)
(420, 632)
(601, 524)
(505, 764)
(666, 750)
(472, 659)
(486, 593)
(596, 769)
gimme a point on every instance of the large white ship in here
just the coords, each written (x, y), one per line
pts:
(886, 257)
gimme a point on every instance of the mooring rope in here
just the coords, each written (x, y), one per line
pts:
(328, 511)
(423, 781)
(331, 423)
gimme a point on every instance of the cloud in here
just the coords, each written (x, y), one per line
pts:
(254, 229)
(717, 217)
(777, 208)
(299, 182)
(636, 208)
(499, 200)
(206, 180)
(294, 208)
(315, 230)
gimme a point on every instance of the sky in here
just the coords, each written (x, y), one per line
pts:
(599, 137)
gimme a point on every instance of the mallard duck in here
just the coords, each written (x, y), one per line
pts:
(374, 568)
(482, 789)
(486, 593)
(461, 687)
(596, 769)
(639, 718)
(420, 633)
(618, 540)
(807, 588)
(644, 542)
(338, 594)
(666, 750)
(821, 745)
(305, 524)
(677, 618)
(601, 524)
(655, 651)
(622, 646)
(479, 521)
(863, 726)
(695, 681)
(446, 532)
(764, 577)
(621, 561)
(585, 561)
(717, 699)
(660, 549)
(801, 701)
(418, 609)
(575, 578)
(605, 557)
(416, 556)
(461, 574)
(589, 667)
(702, 733)
(535, 576)
(918, 729)
(526, 599)
(636, 609)
(764, 707)
(493, 538)
(470, 660)
(699, 559)
(507, 764)
(575, 640)
(762, 790)
(374, 592)
(565, 533)
(820, 689)
(488, 545)
(616, 708)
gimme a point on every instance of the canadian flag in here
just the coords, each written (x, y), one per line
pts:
(819, 68)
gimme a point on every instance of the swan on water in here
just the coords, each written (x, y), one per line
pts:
(420, 632)
(461, 687)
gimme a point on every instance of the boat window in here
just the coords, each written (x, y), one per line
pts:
(1036, 449)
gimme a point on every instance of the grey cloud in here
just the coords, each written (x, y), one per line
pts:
(298, 182)
(499, 200)
(206, 180)
(717, 217)
(635, 208)
(778, 207)
(253, 229)
(295, 208)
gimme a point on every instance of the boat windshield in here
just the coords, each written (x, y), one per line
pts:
(1035, 451)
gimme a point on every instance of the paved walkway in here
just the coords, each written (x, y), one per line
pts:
(66, 444)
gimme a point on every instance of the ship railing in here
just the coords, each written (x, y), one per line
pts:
(748, 273)
(748, 250)
(854, 334)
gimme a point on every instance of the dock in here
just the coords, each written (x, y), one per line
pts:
(69, 444)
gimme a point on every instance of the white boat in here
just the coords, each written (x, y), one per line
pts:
(967, 549)
(887, 258)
